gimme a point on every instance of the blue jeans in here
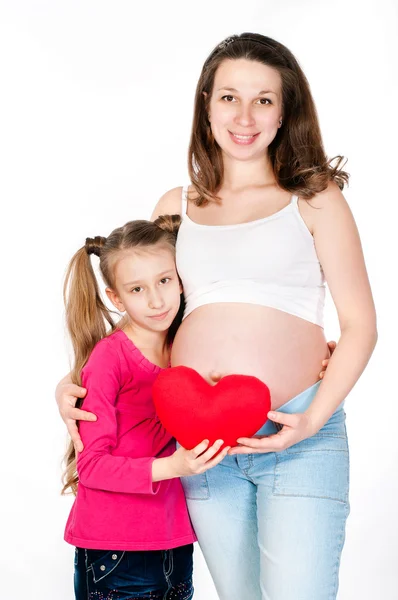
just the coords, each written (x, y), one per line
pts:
(144, 575)
(272, 526)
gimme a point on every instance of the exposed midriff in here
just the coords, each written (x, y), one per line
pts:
(280, 349)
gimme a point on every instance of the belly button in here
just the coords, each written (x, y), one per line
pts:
(214, 377)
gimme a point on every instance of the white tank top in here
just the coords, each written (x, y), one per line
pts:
(271, 262)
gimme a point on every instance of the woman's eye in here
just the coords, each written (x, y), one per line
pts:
(228, 98)
(165, 280)
(264, 101)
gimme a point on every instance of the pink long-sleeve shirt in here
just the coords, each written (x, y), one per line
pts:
(117, 506)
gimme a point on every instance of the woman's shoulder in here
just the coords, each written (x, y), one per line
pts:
(326, 212)
(169, 203)
(331, 194)
(326, 203)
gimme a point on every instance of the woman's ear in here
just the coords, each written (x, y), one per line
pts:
(114, 298)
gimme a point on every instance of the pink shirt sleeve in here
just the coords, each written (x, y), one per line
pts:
(97, 467)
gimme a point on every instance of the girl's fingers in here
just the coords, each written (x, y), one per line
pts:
(217, 459)
(199, 449)
(206, 456)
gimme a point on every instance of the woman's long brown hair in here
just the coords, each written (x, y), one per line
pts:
(297, 155)
(88, 319)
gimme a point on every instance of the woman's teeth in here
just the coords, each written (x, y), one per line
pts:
(243, 137)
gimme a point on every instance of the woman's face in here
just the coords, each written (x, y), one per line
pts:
(245, 108)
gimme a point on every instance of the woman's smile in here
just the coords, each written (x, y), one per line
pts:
(243, 140)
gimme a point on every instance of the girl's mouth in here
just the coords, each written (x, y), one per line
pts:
(160, 316)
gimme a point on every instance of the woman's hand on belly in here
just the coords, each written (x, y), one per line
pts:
(295, 428)
(332, 347)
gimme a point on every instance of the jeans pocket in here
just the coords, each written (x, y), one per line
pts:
(103, 563)
(185, 590)
(317, 467)
(196, 487)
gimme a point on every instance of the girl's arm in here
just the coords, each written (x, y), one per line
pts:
(339, 250)
(97, 467)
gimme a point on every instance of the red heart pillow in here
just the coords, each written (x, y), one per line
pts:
(193, 410)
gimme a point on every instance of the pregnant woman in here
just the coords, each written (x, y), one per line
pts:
(264, 225)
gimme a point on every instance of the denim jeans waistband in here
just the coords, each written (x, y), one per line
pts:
(298, 404)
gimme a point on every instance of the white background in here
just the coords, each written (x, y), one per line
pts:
(96, 104)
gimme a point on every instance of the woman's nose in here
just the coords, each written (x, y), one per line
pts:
(244, 116)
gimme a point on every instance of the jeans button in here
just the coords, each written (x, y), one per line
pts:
(114, 556)
(102, 567)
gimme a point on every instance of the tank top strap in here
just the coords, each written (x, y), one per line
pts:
(294, 200)
(184, 201)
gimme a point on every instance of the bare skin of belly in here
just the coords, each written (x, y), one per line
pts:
(280, 349)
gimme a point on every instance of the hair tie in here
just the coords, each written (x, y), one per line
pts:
(94, 245)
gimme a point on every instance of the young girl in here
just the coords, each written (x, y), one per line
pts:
(129, 521)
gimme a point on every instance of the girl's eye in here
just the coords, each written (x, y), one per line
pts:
(165, 280)
(264, 101)
(228, 98)
(136, 290)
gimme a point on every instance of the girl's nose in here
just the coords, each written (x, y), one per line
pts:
(155, 299)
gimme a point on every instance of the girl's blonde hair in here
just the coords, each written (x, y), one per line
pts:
(88, 319)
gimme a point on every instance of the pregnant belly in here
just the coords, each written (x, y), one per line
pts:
(282, 350)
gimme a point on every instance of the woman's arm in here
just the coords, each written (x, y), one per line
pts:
(340, 253)
(66, 395)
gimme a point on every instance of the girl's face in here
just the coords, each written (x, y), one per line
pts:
(147, 287)
(245, 108)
